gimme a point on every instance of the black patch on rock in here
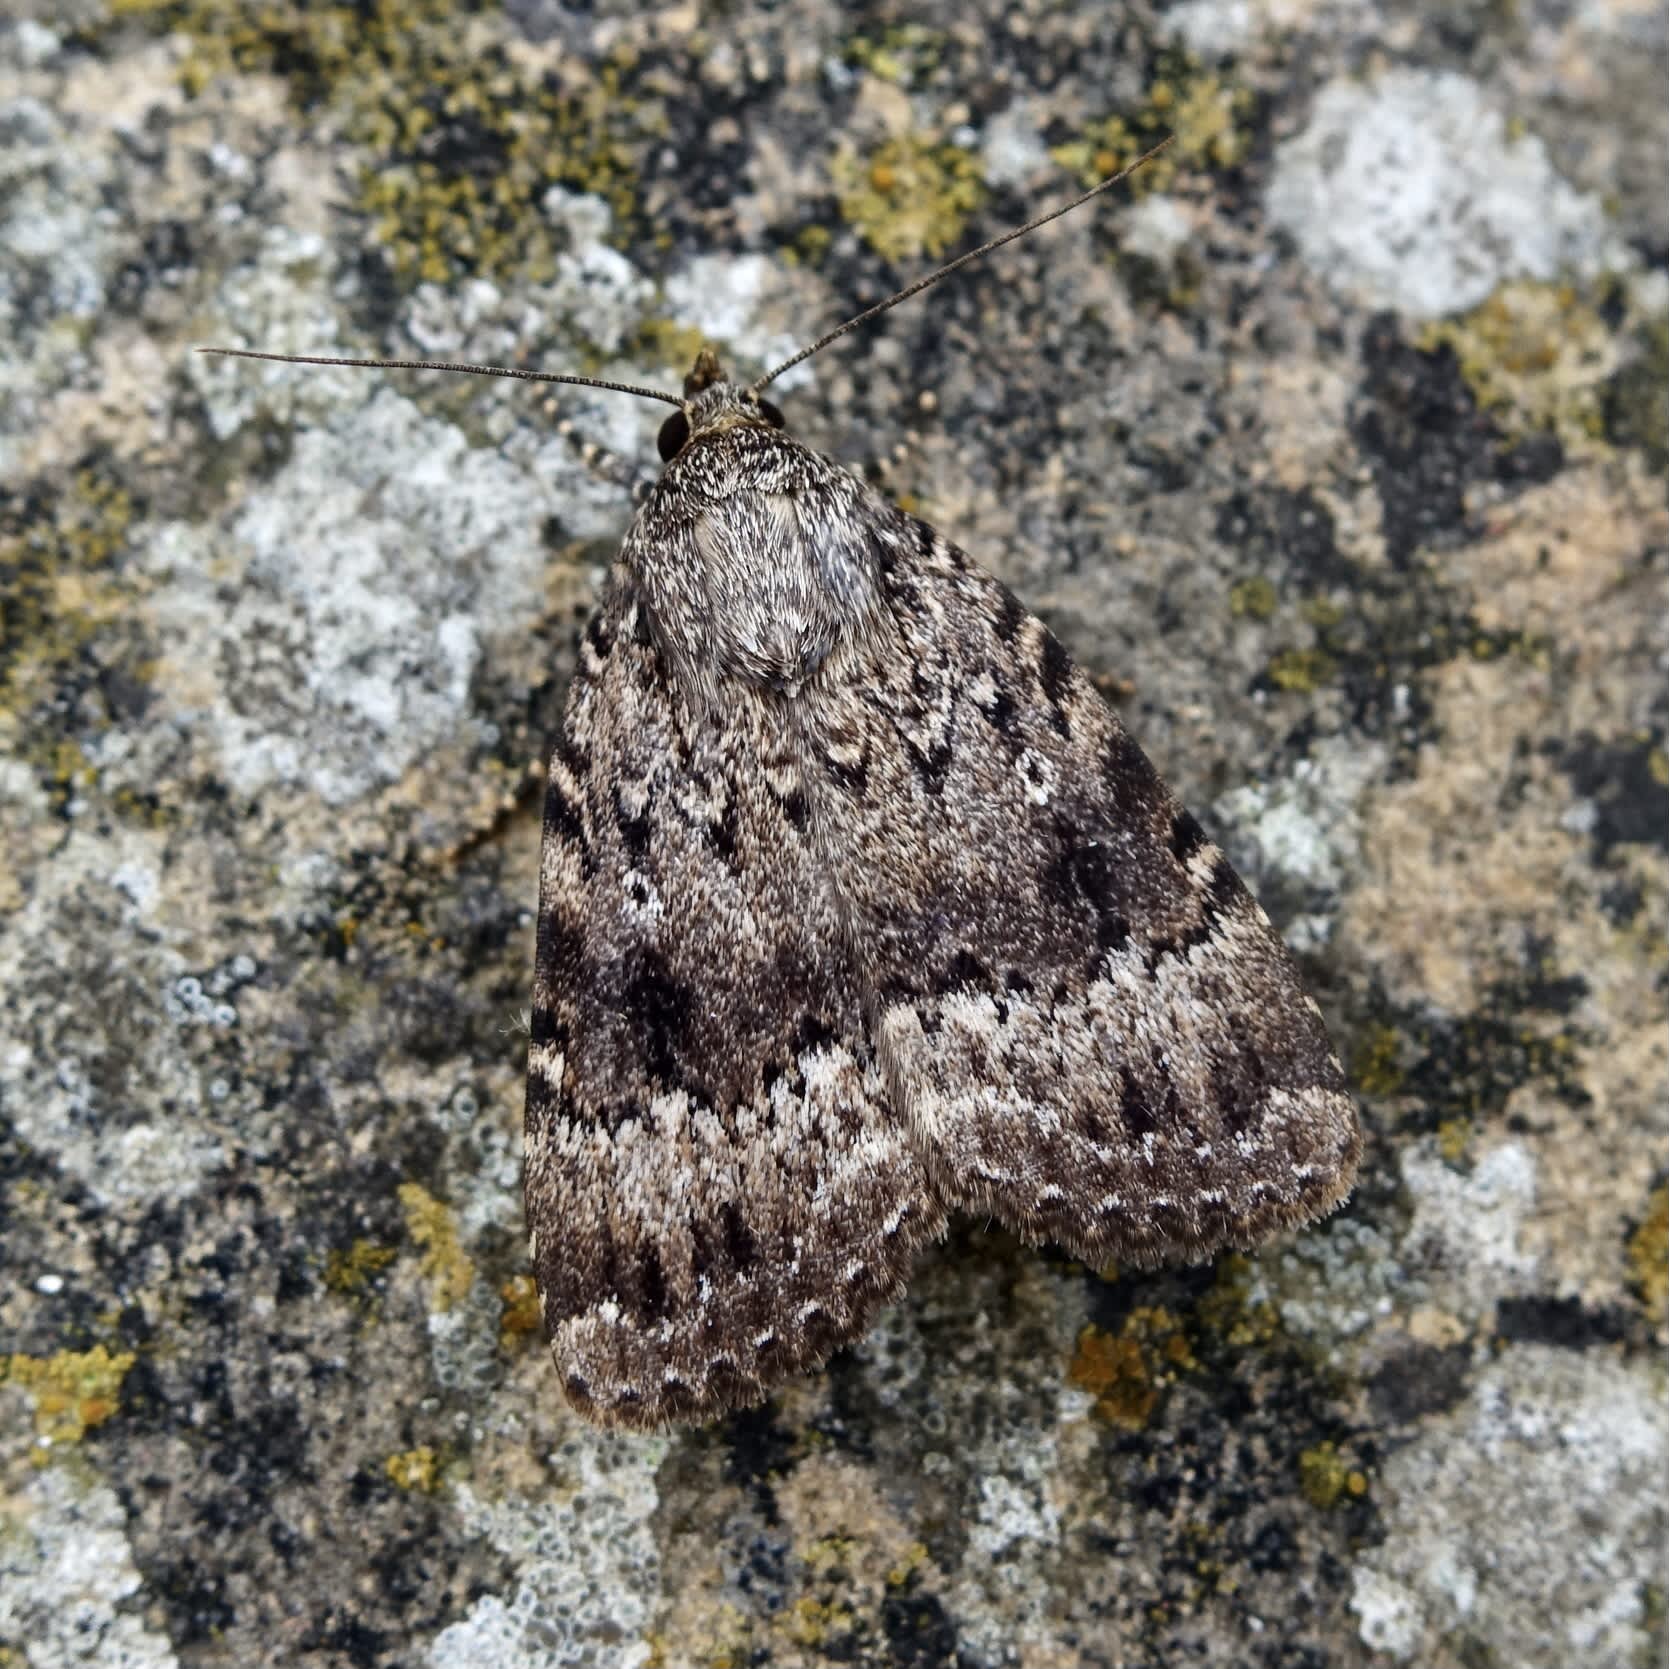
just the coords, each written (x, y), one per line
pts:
(1419, 1380)
(1624, 782)
(919, 1633)
(1426, 439)
(1281, 529)
(1566, 1322)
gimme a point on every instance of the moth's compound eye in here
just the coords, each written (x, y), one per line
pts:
(675, 432)
(770, 414)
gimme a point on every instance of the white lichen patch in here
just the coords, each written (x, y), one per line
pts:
(281, 300)
(1410, 193)
(61, 239)
(1307, 826)
(62, 1100)
(1213, 29)
(1530, 1521)
(585, 1561)
(1012, 152)
(725, 298)
(1009, 1424)
(63, 246)
(66, 1577)
(329, 636)
(1464, 1248)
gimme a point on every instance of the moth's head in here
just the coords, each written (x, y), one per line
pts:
(712, 403)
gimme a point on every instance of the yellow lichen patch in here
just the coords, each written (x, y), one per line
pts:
(1648, 1256)
(1205, 116)
(1454, 1136)
(1301, 671)
(1252, 599)
(811, 1622)
(915, 1556)
(416, 1469)
(904, 54)
(352, 1270)
(1322, 613)
(1374, 1065)
(461, 137)
(446, 1266)
(908, 198)
(1326, 1478)
(519, 1314)
(1537, 356)
(1230, 1313)
(831, 1552)
(665, 343)
(73, 1391)
(1126, 1372)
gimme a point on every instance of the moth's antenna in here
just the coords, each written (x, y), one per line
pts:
(960, 261)
(446, 365)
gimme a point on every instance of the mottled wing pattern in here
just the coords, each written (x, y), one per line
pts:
(717, 1192)
(1099, 1038)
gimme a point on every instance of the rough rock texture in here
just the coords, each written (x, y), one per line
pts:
(1336, 449)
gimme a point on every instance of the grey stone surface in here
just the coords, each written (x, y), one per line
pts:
(1336, 447)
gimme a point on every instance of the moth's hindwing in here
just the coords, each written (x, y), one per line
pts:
(1097, 1035)
(718, 1195)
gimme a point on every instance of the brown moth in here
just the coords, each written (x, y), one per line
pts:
(858, 909)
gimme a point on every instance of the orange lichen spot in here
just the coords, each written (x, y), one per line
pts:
(519, 1314)
(1125, 1372)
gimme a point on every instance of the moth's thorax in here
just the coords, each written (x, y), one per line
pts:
(754, 555)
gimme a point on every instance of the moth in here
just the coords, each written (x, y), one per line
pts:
(858, 909)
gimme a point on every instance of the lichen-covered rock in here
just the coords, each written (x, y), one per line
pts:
(1335, 449)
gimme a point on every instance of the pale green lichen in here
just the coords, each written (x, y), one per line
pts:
(1230, 1313)
(908, 197)
(905, 54)
(58, 583)
(1636, 411)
